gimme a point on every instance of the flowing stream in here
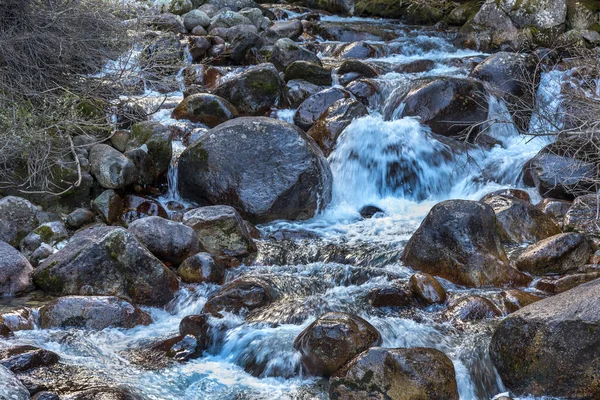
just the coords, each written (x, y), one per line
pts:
(393, 164)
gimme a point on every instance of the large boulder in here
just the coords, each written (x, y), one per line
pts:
(206, 108)
(584, 217)
(452, 107)
(221, 230)
(459, 242)
(91, 312)
(313, 107)
(15, 271)
(334, 339)
(552, 347)
(107, 261)
(254, 91)
(509, 24)
(150, 149)
(519, 221)
(333, 121)
(111, 168)
(556, 174)
(19, 214)
(556, 255)
(169, 241)
(286, 51)
(289, 178)
(396, 374)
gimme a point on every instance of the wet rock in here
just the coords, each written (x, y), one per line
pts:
(557, 175)
(556, 209)
(309, 72)
(363, 90)
(415, 67)
(92, 312)
(560, 284)
(326, 130)
(12, 388)
(24, 358)
(286, 51)
(449, 106)
(105, 393)
(200, 268)
(221, 230)
(111, 168)
(472, 308)
(555, 255)
(427, 289)
(467, 246)
(515, 299)
(296, 91)
(139, 207)
(20, 212)
(15, 271)
(19, 319)
(195, 325)
(107, 261)
(244, 293)
(150, 149)
(79, 218)
(312, 108)
(355, 50)
(583, 216)
(195, 18)
(169, 241)
(254, 91)
(5, 331)
(370, 211)
(551, 347)
(365, 70)
(283, 29)
(516, 193)
(45, 396)
(109, 205)
(519, 221)
(298, 175)
(392, 296)
(334, 339)
(396, 374)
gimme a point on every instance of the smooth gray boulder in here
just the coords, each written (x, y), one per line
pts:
(15, 271)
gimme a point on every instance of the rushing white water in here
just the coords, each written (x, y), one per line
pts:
(398, 166)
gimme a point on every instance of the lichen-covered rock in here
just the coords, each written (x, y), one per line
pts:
(91, 312)
(111, 168)
(206, 108)
(459, 242)
(552, 347)
(286, 51)
(334, 339)
(169, 241)
(150, 150)
(556, 255)
(49, 233)
(289, 178)
(107, 261)
(254, 91)
(15, 271)
(519, 221)
(396, 374)
(313, 107)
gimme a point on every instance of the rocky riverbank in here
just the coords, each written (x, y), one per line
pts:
(349, 201)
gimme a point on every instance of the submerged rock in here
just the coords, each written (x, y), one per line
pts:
(15, 271)
(107, 261)
(289, 178)
(396, 374)
(334, 339)
(92, 312)
(458, 241)
(552, 347)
